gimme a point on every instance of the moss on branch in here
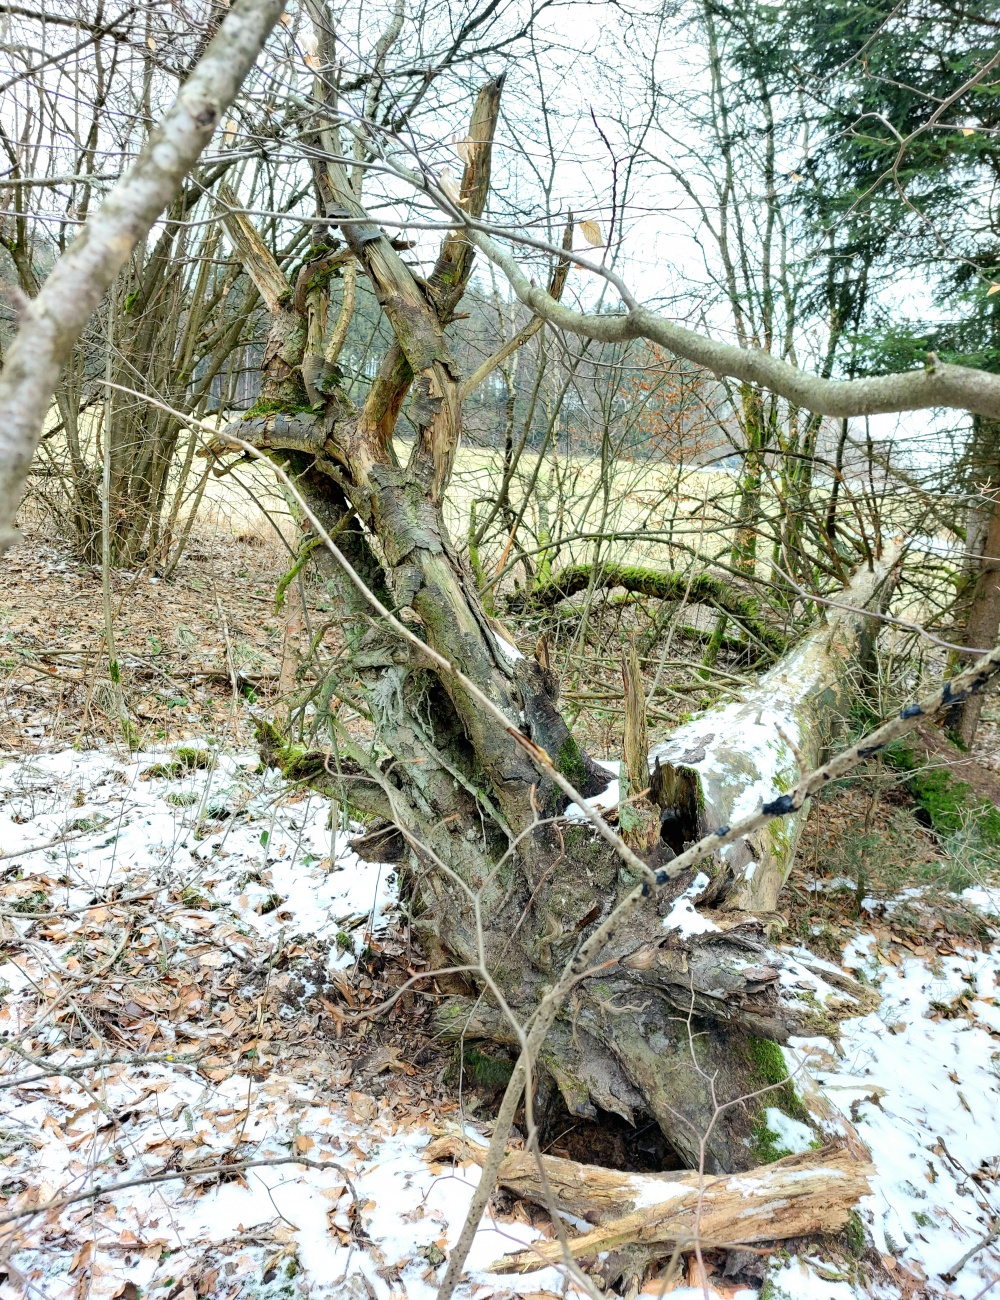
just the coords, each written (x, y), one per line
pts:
(703, 589)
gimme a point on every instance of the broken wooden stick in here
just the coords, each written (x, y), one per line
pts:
(801, 1195)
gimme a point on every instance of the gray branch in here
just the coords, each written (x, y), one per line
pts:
(51, 323)
(936, 385)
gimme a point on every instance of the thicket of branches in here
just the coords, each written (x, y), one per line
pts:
(520, 317)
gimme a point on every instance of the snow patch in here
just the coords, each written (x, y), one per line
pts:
(920, 1078)
(683, 915)
(505, 646)
(791, 1135)
(608, 798)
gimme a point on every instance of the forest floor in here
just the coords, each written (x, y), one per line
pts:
(190, 951)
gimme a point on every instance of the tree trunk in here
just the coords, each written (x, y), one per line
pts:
(982, 623)
(495, 880)
(724, 763)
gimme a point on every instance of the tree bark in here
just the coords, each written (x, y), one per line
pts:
(722, 764)
(495, 879)
(982, 623)
(798, 1196)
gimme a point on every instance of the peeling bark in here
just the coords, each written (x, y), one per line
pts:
(795, 1197)
(812, 1192)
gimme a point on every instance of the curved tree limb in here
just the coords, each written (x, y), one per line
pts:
(938, 384)
(54, 320)
(661, 585)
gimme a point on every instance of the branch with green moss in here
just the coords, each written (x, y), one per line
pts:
(343, 778)
(705, 589)
(308, 545)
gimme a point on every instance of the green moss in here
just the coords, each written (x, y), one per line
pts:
(274, 750)
(766, 1068)
(854, 1234)
(949, 804)
(765, 1143)
(479, 1069)
(187, 758)
(308, 545)
(36, 901)
(769, 1059)
(569, 761)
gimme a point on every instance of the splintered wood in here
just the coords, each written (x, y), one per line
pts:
(799, 1196)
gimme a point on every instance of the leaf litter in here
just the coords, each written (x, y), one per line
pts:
(183, 944)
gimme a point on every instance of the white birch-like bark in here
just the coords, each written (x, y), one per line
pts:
(53, 321)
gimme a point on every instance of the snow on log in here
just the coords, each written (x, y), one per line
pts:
(728, 761)
(799, 1196)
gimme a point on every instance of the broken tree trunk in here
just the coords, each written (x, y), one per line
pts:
(679, 1022)
(798, 1196)
(724, 763)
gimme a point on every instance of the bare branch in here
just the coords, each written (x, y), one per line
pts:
(938, 384)
(53, 322)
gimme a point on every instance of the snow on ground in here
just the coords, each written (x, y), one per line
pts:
(143, 912)
(203, 877)
(920, 1078)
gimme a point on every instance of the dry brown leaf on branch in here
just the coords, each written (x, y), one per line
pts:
(591, 232)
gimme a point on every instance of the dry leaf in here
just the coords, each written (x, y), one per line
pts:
(464, 150)
(591, 232)
(994, 288)
(303, 1144)
(447, 182)
(285, 20)
(365, 1108)
(968, 130)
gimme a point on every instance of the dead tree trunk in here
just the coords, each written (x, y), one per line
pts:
(495, 879)
(982, 579)
(724, 763)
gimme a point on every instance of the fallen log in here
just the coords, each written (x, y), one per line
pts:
(704, 588)
(801, 1195)
(725, 762)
